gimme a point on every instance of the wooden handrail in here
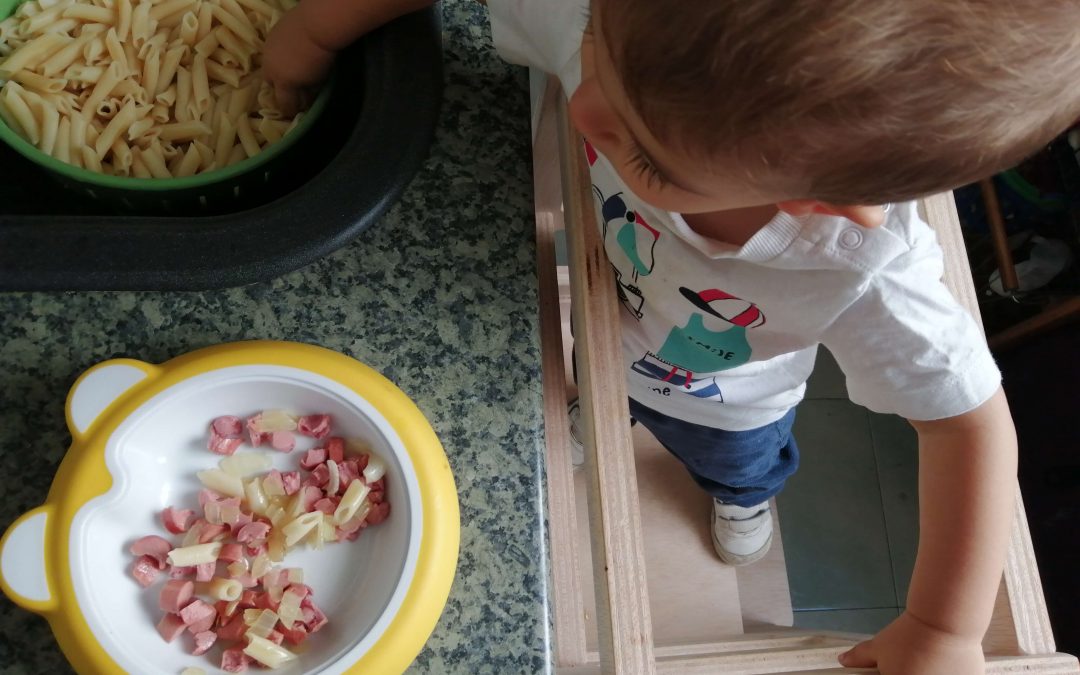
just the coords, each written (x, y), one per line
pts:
(622, 601)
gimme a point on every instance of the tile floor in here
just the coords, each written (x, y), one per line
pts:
(849, 516)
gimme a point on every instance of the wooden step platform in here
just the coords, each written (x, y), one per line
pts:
(635, 587)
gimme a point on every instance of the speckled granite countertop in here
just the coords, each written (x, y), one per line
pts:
(440, 296)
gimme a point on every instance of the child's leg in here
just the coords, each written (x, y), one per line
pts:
(741, 468)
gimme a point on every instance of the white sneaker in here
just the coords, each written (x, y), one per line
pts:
(577, 435)
(741, 535)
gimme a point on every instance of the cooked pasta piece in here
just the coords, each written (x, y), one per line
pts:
(144, 88)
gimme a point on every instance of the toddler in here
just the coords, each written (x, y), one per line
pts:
(754, 164)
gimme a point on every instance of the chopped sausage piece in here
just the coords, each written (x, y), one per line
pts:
(196, 613)
(246, 580)
(335, 449)
(310, 494)
(145, 570)
(347, 473)
(256, 549)
(210, 533)
(170, 626)
(231, 553)
(327, 505)
(253, 532)
(205, 571)
(204, 640)
(177, 521)
(276, 637)
(234, 629)
(223, 613)
(313, 458)
(291, 481)
(296, 635)
(256, 437)
(321, 475)
(180, 572)
(175, 595)
(229, 426)
(314, 619)
(247, 599)
(349, 536)
(234, 660)
(264, 601)
(223, 445)
(315, 426)
(154, 546)
(282, 441)
(378, 513)
(243, 519)
(318, 622)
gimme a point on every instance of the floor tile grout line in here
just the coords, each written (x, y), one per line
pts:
(884, 513)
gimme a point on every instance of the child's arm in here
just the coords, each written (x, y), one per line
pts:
(967, 474)
(301, 47)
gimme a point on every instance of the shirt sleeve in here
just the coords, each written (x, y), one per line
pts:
(537, 33)
(907, 347)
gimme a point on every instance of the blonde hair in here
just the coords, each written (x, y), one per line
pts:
(853, 101)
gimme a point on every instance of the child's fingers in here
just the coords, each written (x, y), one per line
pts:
(860, 656)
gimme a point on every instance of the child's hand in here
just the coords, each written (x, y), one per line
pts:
(294, 64)
(908, 646)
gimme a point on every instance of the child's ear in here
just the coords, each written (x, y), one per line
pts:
(867, 216)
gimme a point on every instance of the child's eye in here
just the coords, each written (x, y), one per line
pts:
(644, 167)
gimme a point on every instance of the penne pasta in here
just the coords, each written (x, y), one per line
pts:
(17, 106)
(167, 73)
(117, 126)
(150, 72)
(246, 136)
(183, 95)
(138, 167)
(39, 83)
(83, 74)
(206, 21)
(62, 148)
(142, 25)
(189, 29)
(90, 159)
(121, 157)
(184, 131)
(229, 76)
(144, 88)
(170, 7)
(123, 18)
(31, 54)
(241, 28)
(190, 162)
(200, 86)
(91, 14)
(49, 122)
(104, 87)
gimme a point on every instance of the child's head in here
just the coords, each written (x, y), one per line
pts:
(841, 101)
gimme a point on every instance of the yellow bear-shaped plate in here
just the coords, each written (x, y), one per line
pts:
(139, 435)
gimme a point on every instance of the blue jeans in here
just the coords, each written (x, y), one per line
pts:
(743, 468)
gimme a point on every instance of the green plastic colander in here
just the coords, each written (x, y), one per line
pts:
(209, 188)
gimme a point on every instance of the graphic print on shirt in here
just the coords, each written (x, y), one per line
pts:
(712, 340)
(625, 232)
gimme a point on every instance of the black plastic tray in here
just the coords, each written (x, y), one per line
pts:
(337, 180)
